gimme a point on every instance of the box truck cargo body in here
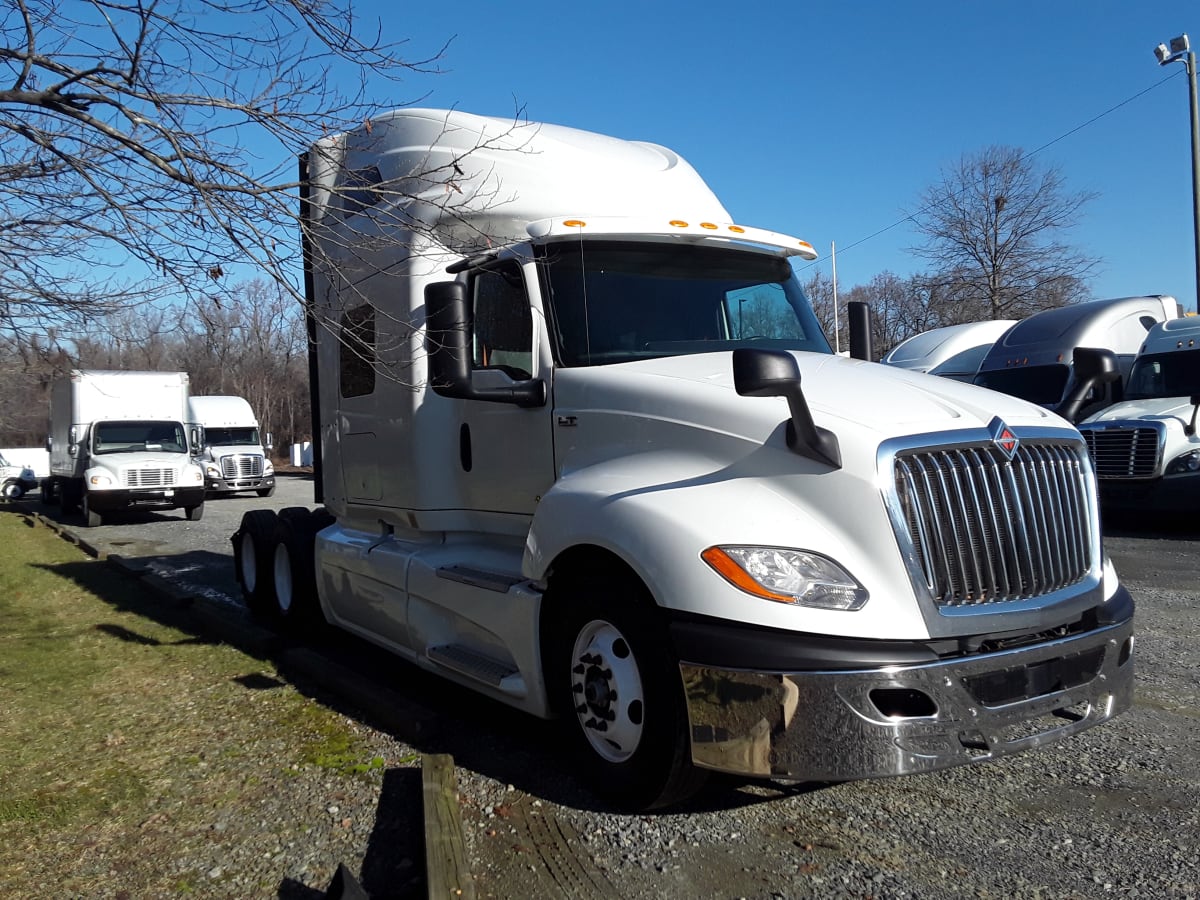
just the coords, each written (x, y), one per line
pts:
(583, 447)
(119, 441)
(233, 453)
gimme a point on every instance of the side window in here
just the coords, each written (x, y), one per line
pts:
(503, 323)
(357, 351)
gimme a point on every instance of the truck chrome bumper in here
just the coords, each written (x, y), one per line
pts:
(845, 725)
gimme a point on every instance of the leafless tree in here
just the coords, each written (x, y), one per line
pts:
(148, 147)
(995, 229)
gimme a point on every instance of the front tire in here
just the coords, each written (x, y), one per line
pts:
(12, 490)
(91, 518)
(266, 492)
(194, 513)
(616, 683)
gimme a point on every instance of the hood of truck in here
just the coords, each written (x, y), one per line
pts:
(858, 401)
(1152, 408)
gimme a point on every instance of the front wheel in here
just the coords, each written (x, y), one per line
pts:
(194, 513)
(266, 492)
(619, 688)
(12, 490)
(91, 518)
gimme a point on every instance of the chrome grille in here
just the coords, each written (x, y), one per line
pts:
(241, 466)
(986, 529)
(149, 477)
(1124, 452)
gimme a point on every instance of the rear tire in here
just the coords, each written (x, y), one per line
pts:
(253, 555)
(614, 680)
(49, 497)
(294, 579)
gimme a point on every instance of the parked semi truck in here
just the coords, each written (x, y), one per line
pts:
(118, 441)
(1034, 359)
(952, 351)
(583, 447)
(1145, 449)
(233, 453)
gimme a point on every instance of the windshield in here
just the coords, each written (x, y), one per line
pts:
(1037, 384)
(230, 437)
(613, 302)
(137, 437)
(1175, 374)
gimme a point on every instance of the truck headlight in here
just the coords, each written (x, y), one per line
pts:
(100, 481)
(196, 475)
(787, 576)
(268, 469)
(1181, 465)
(212, 471)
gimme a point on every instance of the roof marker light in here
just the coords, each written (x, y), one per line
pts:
(806, 246)
(575, 223)
(678, 223)
(709, 225)
(737, 229)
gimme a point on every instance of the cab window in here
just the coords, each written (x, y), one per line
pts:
(503, 322)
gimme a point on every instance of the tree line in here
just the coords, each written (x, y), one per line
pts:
(249, 341)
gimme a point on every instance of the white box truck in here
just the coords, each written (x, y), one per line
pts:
(233, 453)
(583, 447)
(1145, 449)
(118, 441)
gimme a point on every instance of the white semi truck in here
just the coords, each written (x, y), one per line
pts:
(583, 447)
(1145, 449)
(233, 454)
(1034, 359)
(119, 441)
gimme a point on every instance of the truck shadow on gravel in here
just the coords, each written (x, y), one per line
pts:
(381, 691)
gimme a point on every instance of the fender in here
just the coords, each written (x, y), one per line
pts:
(656, 511)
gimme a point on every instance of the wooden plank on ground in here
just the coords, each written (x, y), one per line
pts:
(447, 870)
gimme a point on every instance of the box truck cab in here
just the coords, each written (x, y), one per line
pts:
(1145, 449)
(118, 441)
(1034, 359)
(233, 453)
(953, 351)
(584, 448)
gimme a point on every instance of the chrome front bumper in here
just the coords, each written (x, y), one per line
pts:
(846, 725)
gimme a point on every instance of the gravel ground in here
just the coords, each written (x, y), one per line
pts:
(1112, 812)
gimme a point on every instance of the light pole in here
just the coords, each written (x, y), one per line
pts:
(1180, 51)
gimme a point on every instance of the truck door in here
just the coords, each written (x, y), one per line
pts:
(506, 458)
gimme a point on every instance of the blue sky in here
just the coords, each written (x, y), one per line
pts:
(827, 121)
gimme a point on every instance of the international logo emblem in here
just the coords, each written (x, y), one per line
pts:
(1003, 437)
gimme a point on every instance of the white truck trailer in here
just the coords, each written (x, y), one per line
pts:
(233, 454)
(118, 441)
(583, 447)
(1145, 449)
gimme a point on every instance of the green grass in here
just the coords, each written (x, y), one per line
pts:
(113, 715)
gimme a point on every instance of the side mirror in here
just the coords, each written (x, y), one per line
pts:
(1190, 428)
(448, 345)
(196, 436)
(1093, 367)
(774, 373)
(270, 444)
